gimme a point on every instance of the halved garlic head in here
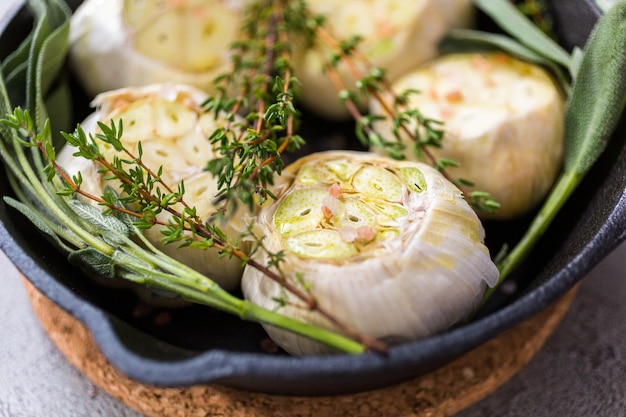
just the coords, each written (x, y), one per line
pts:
(503, 122)
(389, 247)
(397, 35)
(173, 130)
(122, 43)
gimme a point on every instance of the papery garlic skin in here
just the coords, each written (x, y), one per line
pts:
(170, 123)
(129, 43)
(503, 123)
(397, 35)
(424, 267)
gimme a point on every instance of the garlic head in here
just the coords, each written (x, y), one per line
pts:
(397, 35)
(122, 43)
(173, 129)
(503, 123)
(390, 248)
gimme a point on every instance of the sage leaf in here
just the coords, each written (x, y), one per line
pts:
(37, 220)
(14, 82)
(49, 59)
(17, 59)
(93, 260)
(39, 58)
(577, 57)
(58, 103)
(111, 228)
(79, 224)
(127, 219)
(122, 258)
(513, 22)
(598, 95)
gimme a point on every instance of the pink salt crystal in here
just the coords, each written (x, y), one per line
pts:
(327, 212)
(335, 191)
(366, 233)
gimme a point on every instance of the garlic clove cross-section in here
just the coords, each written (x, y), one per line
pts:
(173, 129)
(389, 247)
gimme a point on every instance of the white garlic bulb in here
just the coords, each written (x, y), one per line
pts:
(389, 247)
(397, 35)
(122, 43)
(173, 128)
(503, 123)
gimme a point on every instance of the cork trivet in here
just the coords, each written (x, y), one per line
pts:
(441, 393)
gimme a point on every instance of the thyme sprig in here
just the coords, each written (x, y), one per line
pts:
(263, 83)
(251, 149)
(141, 189)
(107, 240)
(424, 132)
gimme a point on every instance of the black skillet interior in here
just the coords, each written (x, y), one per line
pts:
(204, 346)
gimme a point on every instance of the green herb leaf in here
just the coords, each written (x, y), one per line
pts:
(599, 93)
(512, 21)
(112, 228)
(47, 53)
(97, 240)
(39, 221)
(93, 260)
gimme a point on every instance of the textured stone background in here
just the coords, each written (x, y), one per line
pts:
(581, 371)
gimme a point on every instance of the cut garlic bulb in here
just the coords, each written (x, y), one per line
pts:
(173, 130)
(503, 122)
(122, 43)
(389, 247)
(397, 35)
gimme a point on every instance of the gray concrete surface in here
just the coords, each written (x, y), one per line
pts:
(35, 378)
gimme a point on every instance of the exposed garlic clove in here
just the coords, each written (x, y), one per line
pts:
(413, 264)
(300, 211)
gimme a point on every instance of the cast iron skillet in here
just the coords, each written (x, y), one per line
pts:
(202, 346)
